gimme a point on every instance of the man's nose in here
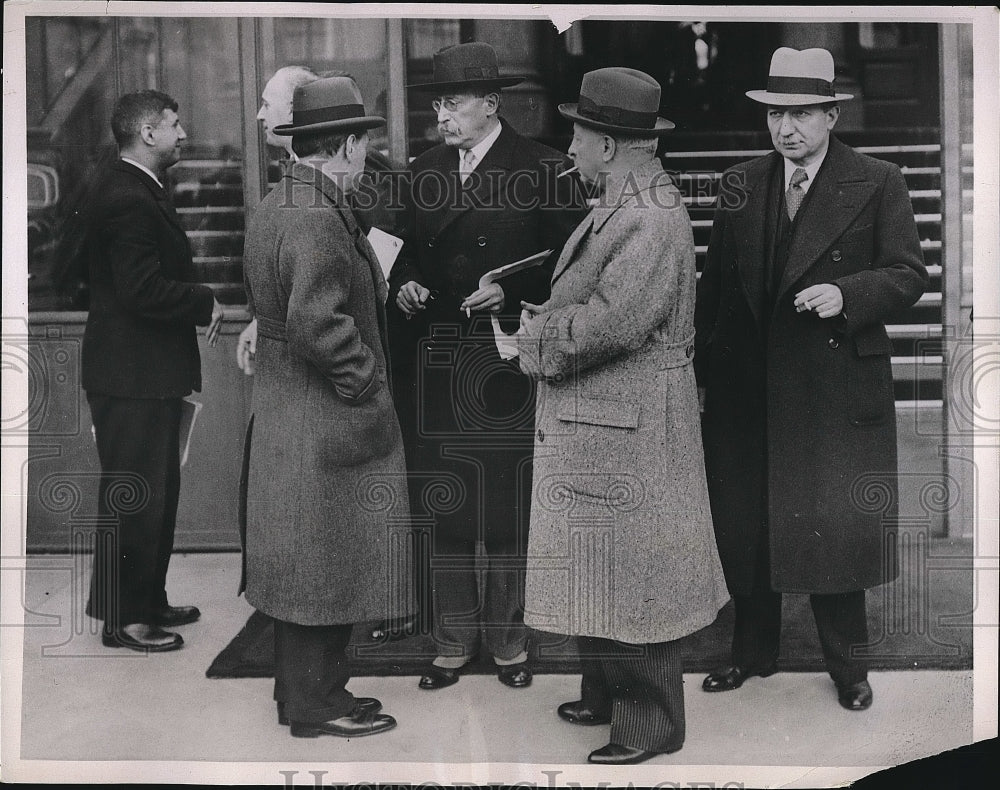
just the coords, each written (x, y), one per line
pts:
(260, 113)
(786, 127)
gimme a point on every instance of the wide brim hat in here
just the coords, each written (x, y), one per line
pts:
(471, 66)
(617, 99)
(333, 104)
(798, 77)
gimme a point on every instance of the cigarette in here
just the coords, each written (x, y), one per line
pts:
(567, 172)
(468, 313)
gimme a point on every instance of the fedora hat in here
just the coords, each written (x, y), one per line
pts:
(799, 77)
(466, 66)
(328, 105)
(617, 99)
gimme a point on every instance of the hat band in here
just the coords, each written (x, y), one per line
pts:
(323, 114)
(809, 85)
(615, 116)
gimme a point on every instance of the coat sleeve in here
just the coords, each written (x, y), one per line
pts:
(131, 229)
(708, 296)
(630, 300)
(317, 265)
(897, 276)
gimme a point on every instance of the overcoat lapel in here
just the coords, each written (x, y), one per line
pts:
(159, 194)
(840, 193)
(483, 188)
(748, 228)
(572, 243)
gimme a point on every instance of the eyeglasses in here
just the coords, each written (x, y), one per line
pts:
(449, 104)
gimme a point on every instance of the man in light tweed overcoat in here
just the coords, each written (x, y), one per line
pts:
(621, 548)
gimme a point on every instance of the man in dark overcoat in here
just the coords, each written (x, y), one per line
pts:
(813, 247)
(140, 359)
(485, 197)
(326, 503)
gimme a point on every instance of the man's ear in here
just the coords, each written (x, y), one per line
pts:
(492, 103)
(832, 114)
(146, 134)
(610, 146)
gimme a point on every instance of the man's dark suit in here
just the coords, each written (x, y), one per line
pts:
(799, 424)
(467, 414)
(140, 358)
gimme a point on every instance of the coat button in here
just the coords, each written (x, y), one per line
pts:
(481, 241)
(833, 343)
(430, 243)
(541, 435)
(836, 255)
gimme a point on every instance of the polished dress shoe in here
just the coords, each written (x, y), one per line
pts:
(733, 677)
(581, 713)
(142, 637)
(356, 724)
(394, 630)
(369, 704)
(172, 616)
(517, 676)
(440, 677)
(616, 754)
(857, 696)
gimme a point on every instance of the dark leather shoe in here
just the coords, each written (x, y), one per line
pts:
(857, 696)
(394, 630)
(517, 676)
(616, 754)
(173, 616)
(733, 677)
(580, 713)
(440, 677)
(143, 637)
(369, 704)
(356, 724)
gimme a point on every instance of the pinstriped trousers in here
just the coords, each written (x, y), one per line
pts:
(643, 685)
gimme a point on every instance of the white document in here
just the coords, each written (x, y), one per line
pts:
(386, 248)
(507, 344)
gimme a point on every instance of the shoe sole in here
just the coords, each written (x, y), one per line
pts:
(593, 723)
(712, 690)
(146, 648)
(308, 731)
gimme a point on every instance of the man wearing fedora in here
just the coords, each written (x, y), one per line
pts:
(326, 471)
(813, 247)
(621, 549)
(483, 198)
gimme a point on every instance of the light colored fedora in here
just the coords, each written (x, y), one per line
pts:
(471, 66)
(617, 99)
(332, 104)
(799, 77)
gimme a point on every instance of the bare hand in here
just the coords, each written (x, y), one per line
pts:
(489, 297)
(825, 300)
(412, 297)
(246, 348)
(215, 327)
(529, 311)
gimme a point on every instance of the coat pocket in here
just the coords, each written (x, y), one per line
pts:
(600, 411)
(870, 379)
(361, 432)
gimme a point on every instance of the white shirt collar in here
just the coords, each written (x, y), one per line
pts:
(811, 171)
(144, 169)
(480, 149)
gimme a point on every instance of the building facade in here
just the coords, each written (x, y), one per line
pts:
(912, 83)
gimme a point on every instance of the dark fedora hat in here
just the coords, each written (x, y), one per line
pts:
(467, 66)
(328, 105)
(617, 99)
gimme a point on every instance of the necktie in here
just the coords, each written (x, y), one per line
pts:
(795, 194)
(468, 160)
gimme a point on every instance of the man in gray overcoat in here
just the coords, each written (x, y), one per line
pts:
(327, 509)
(621, 549)
(813, 247)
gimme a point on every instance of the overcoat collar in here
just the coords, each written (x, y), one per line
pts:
(299, 173)
(159, 193)
(839, 194)
(617, 193)
(480, 189)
